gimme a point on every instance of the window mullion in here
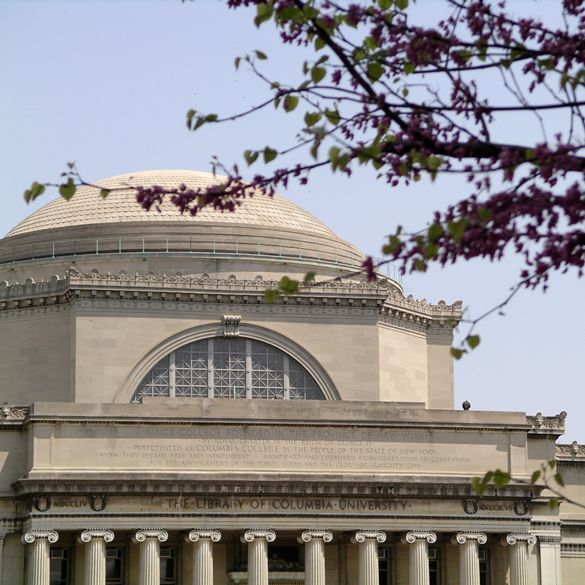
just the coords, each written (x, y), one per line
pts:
(248, 368)
(210, 369)
(286, 377)
(172, 382)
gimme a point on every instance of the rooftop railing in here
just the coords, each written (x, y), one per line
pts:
(221, 247)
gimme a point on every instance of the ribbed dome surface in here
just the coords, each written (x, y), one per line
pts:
(88, 208)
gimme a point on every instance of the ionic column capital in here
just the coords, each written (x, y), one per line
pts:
(90, 533)
(463, 537)
(361, 536)
(310, 534)
(414, 535)
(145, 533)
(32, 535)
(515, 537)
(254, 533)
(198, 533)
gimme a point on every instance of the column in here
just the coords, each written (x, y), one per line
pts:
(39, 560)
(258, 539)
(315, 555)
(518, 543)
(368, 555)
(469, 556)
(203, 540)
(95, 555)
(149, 567)
(419, 555)
(1, 545)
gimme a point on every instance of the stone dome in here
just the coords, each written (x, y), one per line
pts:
(88, 208)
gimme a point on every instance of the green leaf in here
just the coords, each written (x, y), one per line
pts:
(409, 68)
(32, 193)
(430, 251)
(457, 353)
(317, 74)
(288, 286)
(269, 154)
(250, 156)
(104, 193)
(67, 190)
(308, 277)
(402, 4)
(311, 118)
(333, 116)
(457, 229)
(419, 265)
(559, 479)
(190, 115)
(237, 62)
(553, 503)
(535, 477)
(271, 295)
(290, 103)
(319, 43)
(473, 341)
(552, 463)
(375, 71)
(261, 55)
(501, 478)
(385, 4)
(476, 484)
(435, 232)
(263, 13)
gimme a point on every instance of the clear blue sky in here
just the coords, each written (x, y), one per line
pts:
(107, 84)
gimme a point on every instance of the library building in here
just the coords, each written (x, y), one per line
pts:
(161, 423)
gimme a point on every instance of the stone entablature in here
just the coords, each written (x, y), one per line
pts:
(574, 451)
(379, 296)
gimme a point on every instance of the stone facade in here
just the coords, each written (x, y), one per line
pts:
(164, 425)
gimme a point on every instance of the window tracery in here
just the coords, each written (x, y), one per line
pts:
(228, 368)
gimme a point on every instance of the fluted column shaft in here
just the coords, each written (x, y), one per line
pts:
(149, 558)
(518, 543)
(469, 556)
(315, 555)
(258, 555)
(39, 559)
(95, 555)
(419, 556)
(203, 540)
(368, 540)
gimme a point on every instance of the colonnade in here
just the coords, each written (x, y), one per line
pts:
(257, 539)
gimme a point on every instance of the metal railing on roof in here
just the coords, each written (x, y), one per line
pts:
(224, 246)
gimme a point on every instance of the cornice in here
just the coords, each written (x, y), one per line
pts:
(546, 427)
(570, 453)
(148, 291)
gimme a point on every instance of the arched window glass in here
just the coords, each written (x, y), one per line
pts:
(228, 368)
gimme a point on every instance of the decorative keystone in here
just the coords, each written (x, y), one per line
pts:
(231, 325)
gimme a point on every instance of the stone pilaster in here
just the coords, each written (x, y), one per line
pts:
(149, 567)
(469, 556)
(95, 555)
(368, 555)
(315, 555)
(203, 540)
(419, 541)
(518, 543)
(39, 559)
(258, 539)
(549, 541)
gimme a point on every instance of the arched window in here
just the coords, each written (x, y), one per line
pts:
(221, 367)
